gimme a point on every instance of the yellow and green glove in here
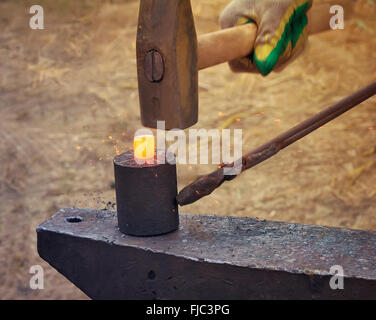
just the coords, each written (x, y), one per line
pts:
(281, 34)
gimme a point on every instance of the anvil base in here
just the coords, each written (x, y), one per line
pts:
(209, 257)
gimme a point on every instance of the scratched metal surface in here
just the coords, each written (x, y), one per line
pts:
(243, 242)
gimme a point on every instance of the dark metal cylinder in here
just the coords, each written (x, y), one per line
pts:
(145, 196)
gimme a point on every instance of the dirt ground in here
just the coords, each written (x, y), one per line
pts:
(69, 102)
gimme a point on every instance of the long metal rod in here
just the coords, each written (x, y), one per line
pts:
(205, 185)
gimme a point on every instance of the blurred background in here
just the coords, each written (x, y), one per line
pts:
(69, 103)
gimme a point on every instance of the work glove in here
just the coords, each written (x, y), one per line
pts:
(281, 31)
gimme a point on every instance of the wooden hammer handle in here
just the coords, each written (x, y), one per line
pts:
(237, 42)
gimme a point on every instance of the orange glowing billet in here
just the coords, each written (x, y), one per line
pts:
(144, 147)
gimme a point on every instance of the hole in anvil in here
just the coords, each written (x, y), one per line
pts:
(151, 275)
(76, 219)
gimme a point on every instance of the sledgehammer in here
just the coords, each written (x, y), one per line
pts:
(169, 55)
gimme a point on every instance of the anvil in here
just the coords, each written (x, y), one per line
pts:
(209, 257)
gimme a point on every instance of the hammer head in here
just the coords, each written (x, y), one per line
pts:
(167, 64)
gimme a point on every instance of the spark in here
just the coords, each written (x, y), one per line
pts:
(116, 150)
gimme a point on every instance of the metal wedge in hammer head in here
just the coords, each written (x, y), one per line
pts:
(167, 64)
